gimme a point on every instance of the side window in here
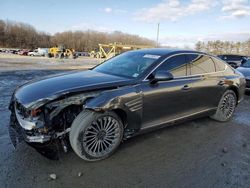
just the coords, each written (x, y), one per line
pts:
(200, 64)
(176, 65)
(219, 65)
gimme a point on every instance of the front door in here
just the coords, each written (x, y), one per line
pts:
(168, 100)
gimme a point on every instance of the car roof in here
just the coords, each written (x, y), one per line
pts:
(166, 51)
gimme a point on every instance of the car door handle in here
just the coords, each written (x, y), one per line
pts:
(186, 87)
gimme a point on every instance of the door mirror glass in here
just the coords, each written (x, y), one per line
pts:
(161, 75)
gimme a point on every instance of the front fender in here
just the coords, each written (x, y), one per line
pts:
(128, 99)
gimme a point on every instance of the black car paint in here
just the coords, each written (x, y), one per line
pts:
(59, 85)
(136, 101)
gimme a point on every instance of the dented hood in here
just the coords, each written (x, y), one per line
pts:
(42, 91)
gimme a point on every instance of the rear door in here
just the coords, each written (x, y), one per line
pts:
(207, 84)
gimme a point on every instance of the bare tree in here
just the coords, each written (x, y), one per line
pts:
(222, 47)
(21, 35)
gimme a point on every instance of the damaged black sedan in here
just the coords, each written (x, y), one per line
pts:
(94, 110)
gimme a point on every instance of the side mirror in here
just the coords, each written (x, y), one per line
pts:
(161, 75)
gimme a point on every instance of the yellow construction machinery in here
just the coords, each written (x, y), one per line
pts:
(61, 52)
(109, 50)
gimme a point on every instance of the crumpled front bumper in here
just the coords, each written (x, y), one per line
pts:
(44, 144)
(18, 131)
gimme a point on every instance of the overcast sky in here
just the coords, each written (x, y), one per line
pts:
(182, 22)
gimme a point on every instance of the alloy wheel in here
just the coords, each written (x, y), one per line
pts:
(228, 105)
(102, 136)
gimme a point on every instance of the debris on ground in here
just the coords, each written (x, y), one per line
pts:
(225, 150)
(79, 174)
(223, 164)
(52, 176)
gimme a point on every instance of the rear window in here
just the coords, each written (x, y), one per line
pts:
(219, 65)
(200, 64)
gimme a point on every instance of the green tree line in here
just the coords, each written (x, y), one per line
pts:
(224, 47)
(22, 35)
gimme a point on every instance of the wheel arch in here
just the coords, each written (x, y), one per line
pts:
(123, 115)
(125, 102)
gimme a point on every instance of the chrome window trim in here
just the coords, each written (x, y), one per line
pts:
(190, 76)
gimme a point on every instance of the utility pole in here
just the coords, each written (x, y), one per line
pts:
(157, 38)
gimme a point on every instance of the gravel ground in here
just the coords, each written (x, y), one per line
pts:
(14, 62)
(200, 153)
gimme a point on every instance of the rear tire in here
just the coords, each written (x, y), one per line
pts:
(95, 136)
(226, 107)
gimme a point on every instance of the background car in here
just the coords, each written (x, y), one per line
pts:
(23, 52)
(233, 60)
(15, 51)
(127, 95)
(86, 54)
(245, 70)
(38, 52)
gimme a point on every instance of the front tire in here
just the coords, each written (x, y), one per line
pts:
(226, 107)
(95, 136)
